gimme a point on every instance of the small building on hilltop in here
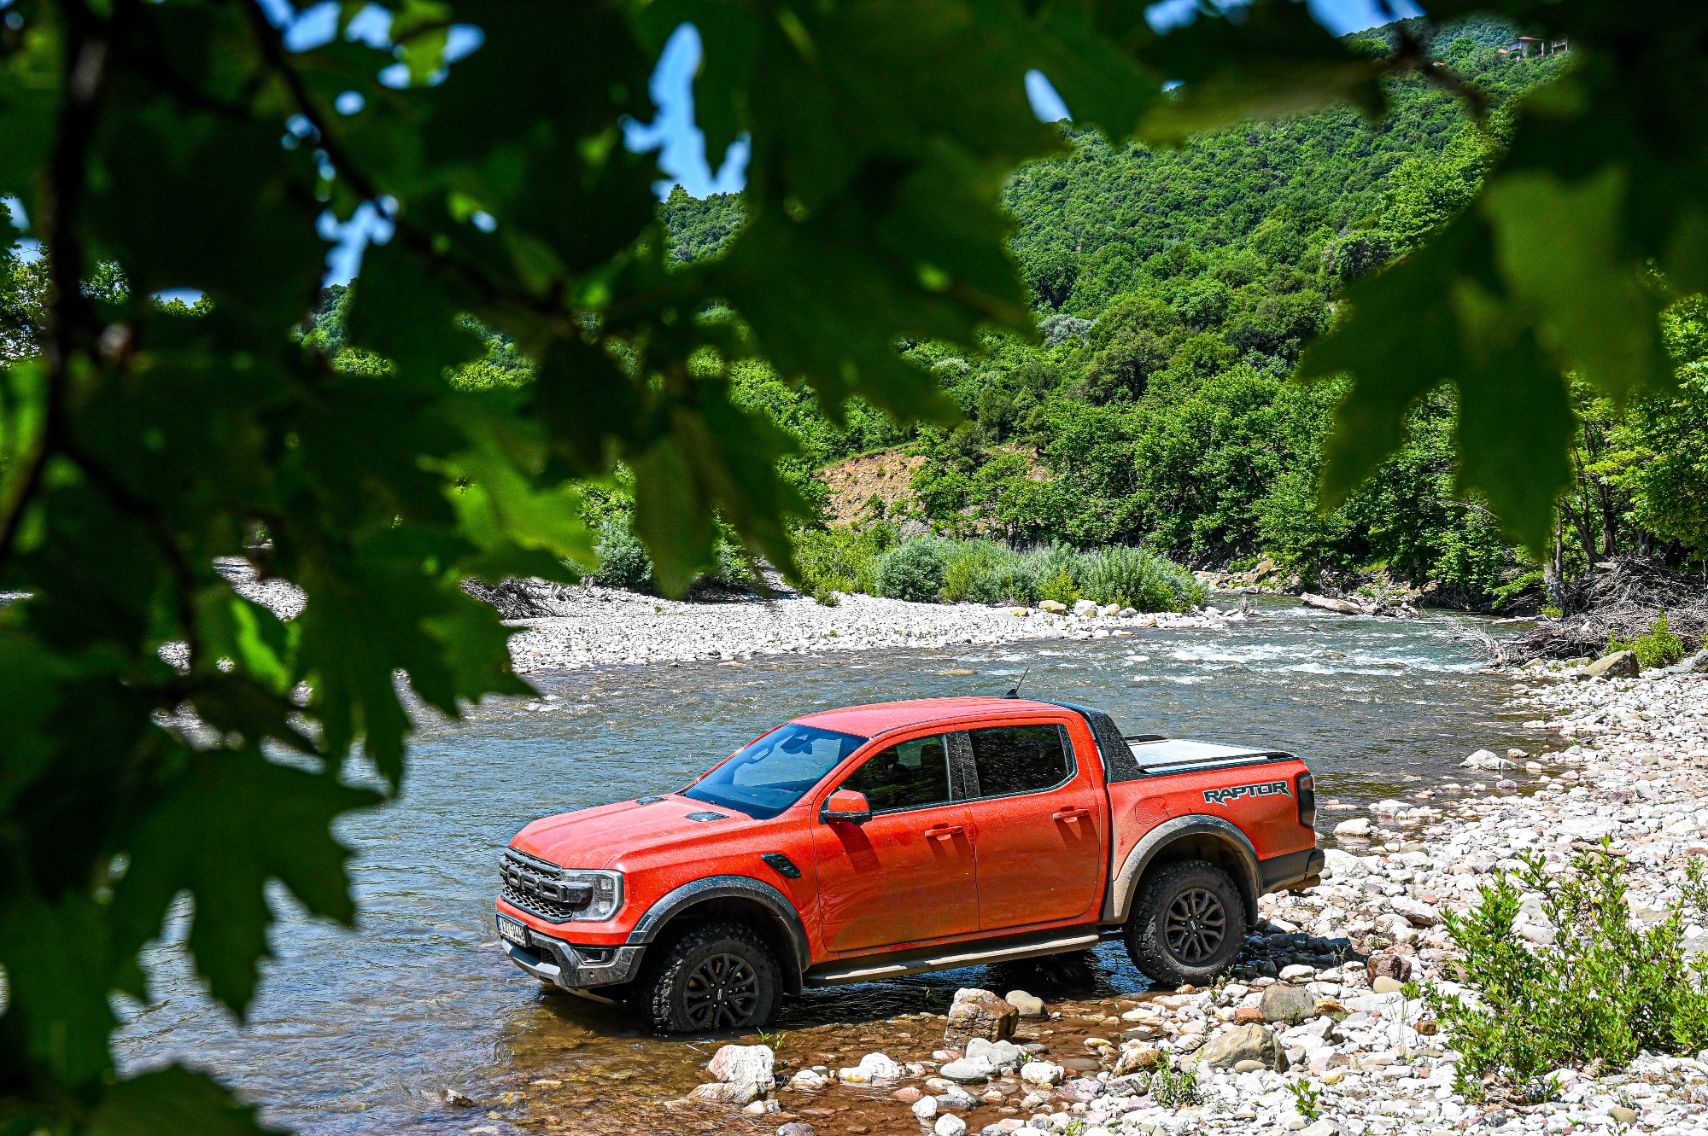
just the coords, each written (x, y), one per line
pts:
(1533, 47)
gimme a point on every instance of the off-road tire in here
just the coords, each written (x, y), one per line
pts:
(1187, 924)
(681, 987)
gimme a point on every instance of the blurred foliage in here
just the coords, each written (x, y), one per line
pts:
(529, 327)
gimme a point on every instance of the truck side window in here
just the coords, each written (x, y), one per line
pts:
(1019, 759)
(908, 775)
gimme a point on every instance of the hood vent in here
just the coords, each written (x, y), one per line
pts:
(708, 816)
(649, 799)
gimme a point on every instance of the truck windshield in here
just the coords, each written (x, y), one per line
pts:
(773, 772)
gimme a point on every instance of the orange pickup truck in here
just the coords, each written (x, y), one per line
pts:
(891, 839)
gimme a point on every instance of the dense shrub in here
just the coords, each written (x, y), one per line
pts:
(623, 561)
(914, 571)
(1658, 647)
(841, 560)
(1601, 992)
(1138, 578)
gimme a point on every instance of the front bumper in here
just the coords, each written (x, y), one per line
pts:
(573, 967)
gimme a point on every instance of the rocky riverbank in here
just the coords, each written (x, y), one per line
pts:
(1314, 1032)
(593, 626)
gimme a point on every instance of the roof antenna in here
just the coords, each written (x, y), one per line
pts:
(1014, 691)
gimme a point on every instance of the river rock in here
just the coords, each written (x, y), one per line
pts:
(728, 1092)
(1054, 607)
(950, 1125)
(925, 1107)
(1001, 1054)
(1026, 1005)
(1042, 1073)
(1284, 1002)
(796, 1128)
(1486, 759)
(1416, 912)
(874, 1068)
(1244, 1043)
(808, 1080)
(978, 1013)
(968, 1070)
(1387, 964)
(1329, 603)
(1138, 1059)
(1084, 608)
(1620, 664)
(744, 1065)
(1357, 826)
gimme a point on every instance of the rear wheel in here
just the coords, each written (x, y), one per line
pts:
(1187, 924)
(715, 977)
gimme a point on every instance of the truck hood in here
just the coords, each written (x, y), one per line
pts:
(593, 838)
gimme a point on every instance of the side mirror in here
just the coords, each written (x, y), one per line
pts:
(846, 805)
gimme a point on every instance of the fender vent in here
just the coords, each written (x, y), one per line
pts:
(707, 817)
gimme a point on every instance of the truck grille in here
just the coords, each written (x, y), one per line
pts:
(539, 889)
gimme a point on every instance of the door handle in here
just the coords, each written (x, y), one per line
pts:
(944, 831)
(1070, 814)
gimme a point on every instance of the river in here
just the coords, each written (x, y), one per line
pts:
(359, 1032)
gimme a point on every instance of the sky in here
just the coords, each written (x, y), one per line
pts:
(681, 146)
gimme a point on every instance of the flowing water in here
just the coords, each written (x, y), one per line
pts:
(360, 1032)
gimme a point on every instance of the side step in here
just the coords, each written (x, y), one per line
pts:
(949, 956)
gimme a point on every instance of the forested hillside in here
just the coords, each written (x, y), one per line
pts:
(1173, 290)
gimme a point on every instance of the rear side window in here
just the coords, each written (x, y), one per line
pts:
(1019, 759)
(909, 775)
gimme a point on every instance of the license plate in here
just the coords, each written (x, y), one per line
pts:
(512, 932)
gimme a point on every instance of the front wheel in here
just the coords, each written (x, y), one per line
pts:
(1187, 924)
(715, 977)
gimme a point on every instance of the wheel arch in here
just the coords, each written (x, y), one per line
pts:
(1197, 837)
(753, 902)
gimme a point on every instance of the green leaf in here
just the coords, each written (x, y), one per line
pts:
(172, 1102)
(232, 822)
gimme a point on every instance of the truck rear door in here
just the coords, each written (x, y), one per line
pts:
(1037, 815)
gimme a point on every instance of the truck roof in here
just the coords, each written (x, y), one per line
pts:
(880, 717)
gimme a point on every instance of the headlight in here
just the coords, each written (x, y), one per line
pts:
(603, 892)
(560, 894)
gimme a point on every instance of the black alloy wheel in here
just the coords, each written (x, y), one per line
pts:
(1195, 925)
(722, 993)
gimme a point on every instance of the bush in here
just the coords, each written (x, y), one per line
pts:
(1061, 587)
(623, 560)
(1138, 578)
(1603, 991)
(1659, 647)
(841, 559)
(913, 571)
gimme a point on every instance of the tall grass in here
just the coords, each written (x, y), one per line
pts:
(983, 571)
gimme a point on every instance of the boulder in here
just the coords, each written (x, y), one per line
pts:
(978, 1013)
(1244, 1043)
(1026, 1005)
(1620, 664)
(1387, 964)
(1054, 607)
(1357, 826)
(744, 1065)
(1329, 603)
(1084, 608)
(1485, 759)
(1285, 1002)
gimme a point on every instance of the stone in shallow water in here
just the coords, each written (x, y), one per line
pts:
(978, 1013)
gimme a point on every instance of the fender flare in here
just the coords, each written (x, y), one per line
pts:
(1124, 887)
(696, 892)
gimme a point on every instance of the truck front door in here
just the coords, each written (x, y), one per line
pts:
(906, 875)
(1037, 819)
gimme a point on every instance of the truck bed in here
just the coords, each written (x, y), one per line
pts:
(1159, 755)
